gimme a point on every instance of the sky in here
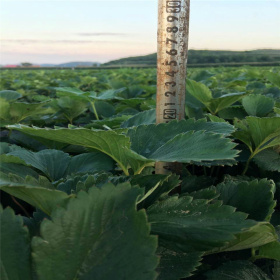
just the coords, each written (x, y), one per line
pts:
(57, 31)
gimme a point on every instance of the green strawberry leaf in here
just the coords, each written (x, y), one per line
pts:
(258, 105)
(237, 270)
(117, 146)
(15, 247)
(100, 235)
(10, 95)
(43, 198)
(190, 225)
(254, 198)
(177, 265)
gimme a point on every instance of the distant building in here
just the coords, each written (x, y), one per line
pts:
(10, 66)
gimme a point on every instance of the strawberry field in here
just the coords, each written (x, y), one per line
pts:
(80, 197)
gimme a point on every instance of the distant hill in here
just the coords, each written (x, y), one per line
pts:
(47, 65)
(72, 64)
(206, 56)
(78, 64)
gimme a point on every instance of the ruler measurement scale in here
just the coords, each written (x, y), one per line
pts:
(173, 31)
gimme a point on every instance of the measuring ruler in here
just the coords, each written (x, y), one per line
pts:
(173, 33)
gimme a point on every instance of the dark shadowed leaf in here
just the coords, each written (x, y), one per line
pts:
(268, 159)
(90, 162)
(15, 247)
(146, 117)
(176, 265)
(254, 198)
(52, 163)
(237, 270)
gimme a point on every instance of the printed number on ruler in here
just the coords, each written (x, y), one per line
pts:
(172, 7)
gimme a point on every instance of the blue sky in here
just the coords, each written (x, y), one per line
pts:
(56, 31)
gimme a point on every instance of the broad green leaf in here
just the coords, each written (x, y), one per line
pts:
(176, 265)
(233, 112)
(199, 91)
(215, 118)
(52, 163)
(109, 142)
(204, 95)
(147, 138)
(270, 250)
(194, 147)
(90, 162)
(104, 109)
(258, 235)
(177, 141)
(15, 247)
(108, 94)
(10, 95)
(254, 198)
(189, 225)
(276, 271)
(67, 91)
(45, 199)
(4, 110)
(258, 105)
(274, 78)
(149, 183)
(264, 131)
(100, 235)
(201, 75)
(196, 183)
(156, 186)
(146, 117)
(41, 181)
(11, 159)
(208, 194)
(4, 148)
(237, 270)
(21, 110)
(105, 95)
(268, 159)
(112, 123)
(18, 169)
(71, 108)
(259, 133)
(224, 101)
(70, 184)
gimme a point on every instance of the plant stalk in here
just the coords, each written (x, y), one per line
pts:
(94, 110)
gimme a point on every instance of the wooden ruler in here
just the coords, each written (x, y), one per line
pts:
(173, 33)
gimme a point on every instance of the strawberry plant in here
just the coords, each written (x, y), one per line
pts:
(79, 195)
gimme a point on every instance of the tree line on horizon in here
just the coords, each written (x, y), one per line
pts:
(207, 57)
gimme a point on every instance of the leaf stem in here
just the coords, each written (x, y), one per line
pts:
(188, 172)
(248, 162)
(246, 167)
(204, 170)
(94, 110)
(253, 254)
(22, 208)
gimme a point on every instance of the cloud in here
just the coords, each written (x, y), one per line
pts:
(32, 41)
(97, 34)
